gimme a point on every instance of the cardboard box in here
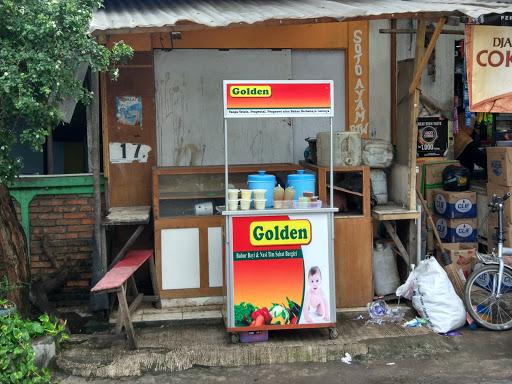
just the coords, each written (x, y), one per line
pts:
(491, 237)
(456, 230)
(463, 255)
(499, 190)
(432, 174)
(499, 165)
(454, 205)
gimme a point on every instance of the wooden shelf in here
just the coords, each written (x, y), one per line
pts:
(190, 196)
(393, 212)
(336, 188)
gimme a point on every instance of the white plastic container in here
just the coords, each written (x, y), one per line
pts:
(346, 149)
(385, 271)
(379, 185)
(377, 153)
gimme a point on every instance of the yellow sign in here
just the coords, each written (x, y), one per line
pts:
(250, 91)
(284, 232)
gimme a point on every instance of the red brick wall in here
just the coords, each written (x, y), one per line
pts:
(66, 221)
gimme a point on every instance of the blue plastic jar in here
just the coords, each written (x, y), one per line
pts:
(266, 182)
(301, 182)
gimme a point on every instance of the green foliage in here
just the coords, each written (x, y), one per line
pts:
(16, 353)
(42, 44)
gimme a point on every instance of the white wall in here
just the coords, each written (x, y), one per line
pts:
(380, 81)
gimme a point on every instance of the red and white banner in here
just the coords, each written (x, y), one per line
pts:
(278, 98)
(489, 66)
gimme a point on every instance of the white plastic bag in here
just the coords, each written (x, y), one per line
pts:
(433, 297)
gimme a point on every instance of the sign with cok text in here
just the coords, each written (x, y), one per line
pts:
(489, 66)
(278, 98)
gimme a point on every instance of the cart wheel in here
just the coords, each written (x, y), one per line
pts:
(235, 338)
(333, 333)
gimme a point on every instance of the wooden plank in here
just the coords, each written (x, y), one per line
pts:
(122, 270)
(336, 188)
(426, 56)
(309, 36)
(401, 249)
(203, 257)
(353, 246)
(154, 283)
(190, 292)
(393, 212)
(128, 215)
(124, 313)
(135, 303)
(357, 94)
(135, 235)
(104, 125)
(414, 111)
(393, 84)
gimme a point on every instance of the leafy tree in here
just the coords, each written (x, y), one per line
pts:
(42, 44)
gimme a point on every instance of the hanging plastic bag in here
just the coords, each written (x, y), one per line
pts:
(433, 297)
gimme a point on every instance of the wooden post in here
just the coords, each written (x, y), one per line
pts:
(49, 154)
(420, 67)
(393, 83)
(420, 46)
(124, 314)
(99, 267)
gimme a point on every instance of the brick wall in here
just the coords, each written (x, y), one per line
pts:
(66, 222)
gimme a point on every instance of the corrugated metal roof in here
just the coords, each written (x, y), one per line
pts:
(127, 14)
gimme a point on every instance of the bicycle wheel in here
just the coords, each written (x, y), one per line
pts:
(485, 308)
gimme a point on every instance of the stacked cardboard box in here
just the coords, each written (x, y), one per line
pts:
(499, 177)
(463, 255)
(455, 217)
(430, 177)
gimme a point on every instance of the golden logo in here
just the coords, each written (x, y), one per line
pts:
(250, 91)
(285, 232)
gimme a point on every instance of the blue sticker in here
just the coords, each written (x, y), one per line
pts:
(129, 110)
(496, 167)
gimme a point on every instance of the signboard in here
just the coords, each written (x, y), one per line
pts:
(489, 64)
(278, 98)
(281, 271)
(124, 153)
(432, 136)
(129, 110)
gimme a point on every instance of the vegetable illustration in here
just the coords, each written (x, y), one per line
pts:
(243, 312)
(294, 308)
(260, 317)
(279, 314)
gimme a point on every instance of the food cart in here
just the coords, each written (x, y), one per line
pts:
(279, 264)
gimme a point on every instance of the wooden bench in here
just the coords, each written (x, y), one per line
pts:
(117, 279)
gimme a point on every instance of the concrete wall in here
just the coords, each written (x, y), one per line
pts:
(380, 81)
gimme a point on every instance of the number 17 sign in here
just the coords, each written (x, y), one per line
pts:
(128, 153)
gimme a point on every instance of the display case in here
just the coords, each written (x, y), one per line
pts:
(188, 229)
(353, 232)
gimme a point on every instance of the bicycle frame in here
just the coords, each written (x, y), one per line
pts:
(502, 250)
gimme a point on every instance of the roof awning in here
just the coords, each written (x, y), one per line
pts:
(123, 15)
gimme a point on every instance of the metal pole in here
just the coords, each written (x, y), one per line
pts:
(226, 164)
(331, 172)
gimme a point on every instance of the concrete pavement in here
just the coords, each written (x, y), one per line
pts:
(180, 346)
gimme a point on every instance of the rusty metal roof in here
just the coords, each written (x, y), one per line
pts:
(128, 14)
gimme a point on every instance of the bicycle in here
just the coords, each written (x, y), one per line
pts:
(488, 290)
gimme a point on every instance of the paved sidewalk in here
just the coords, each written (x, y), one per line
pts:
(177, 346)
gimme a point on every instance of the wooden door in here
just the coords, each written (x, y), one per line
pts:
(353, 261)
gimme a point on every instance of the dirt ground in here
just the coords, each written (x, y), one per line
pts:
(478, 357)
